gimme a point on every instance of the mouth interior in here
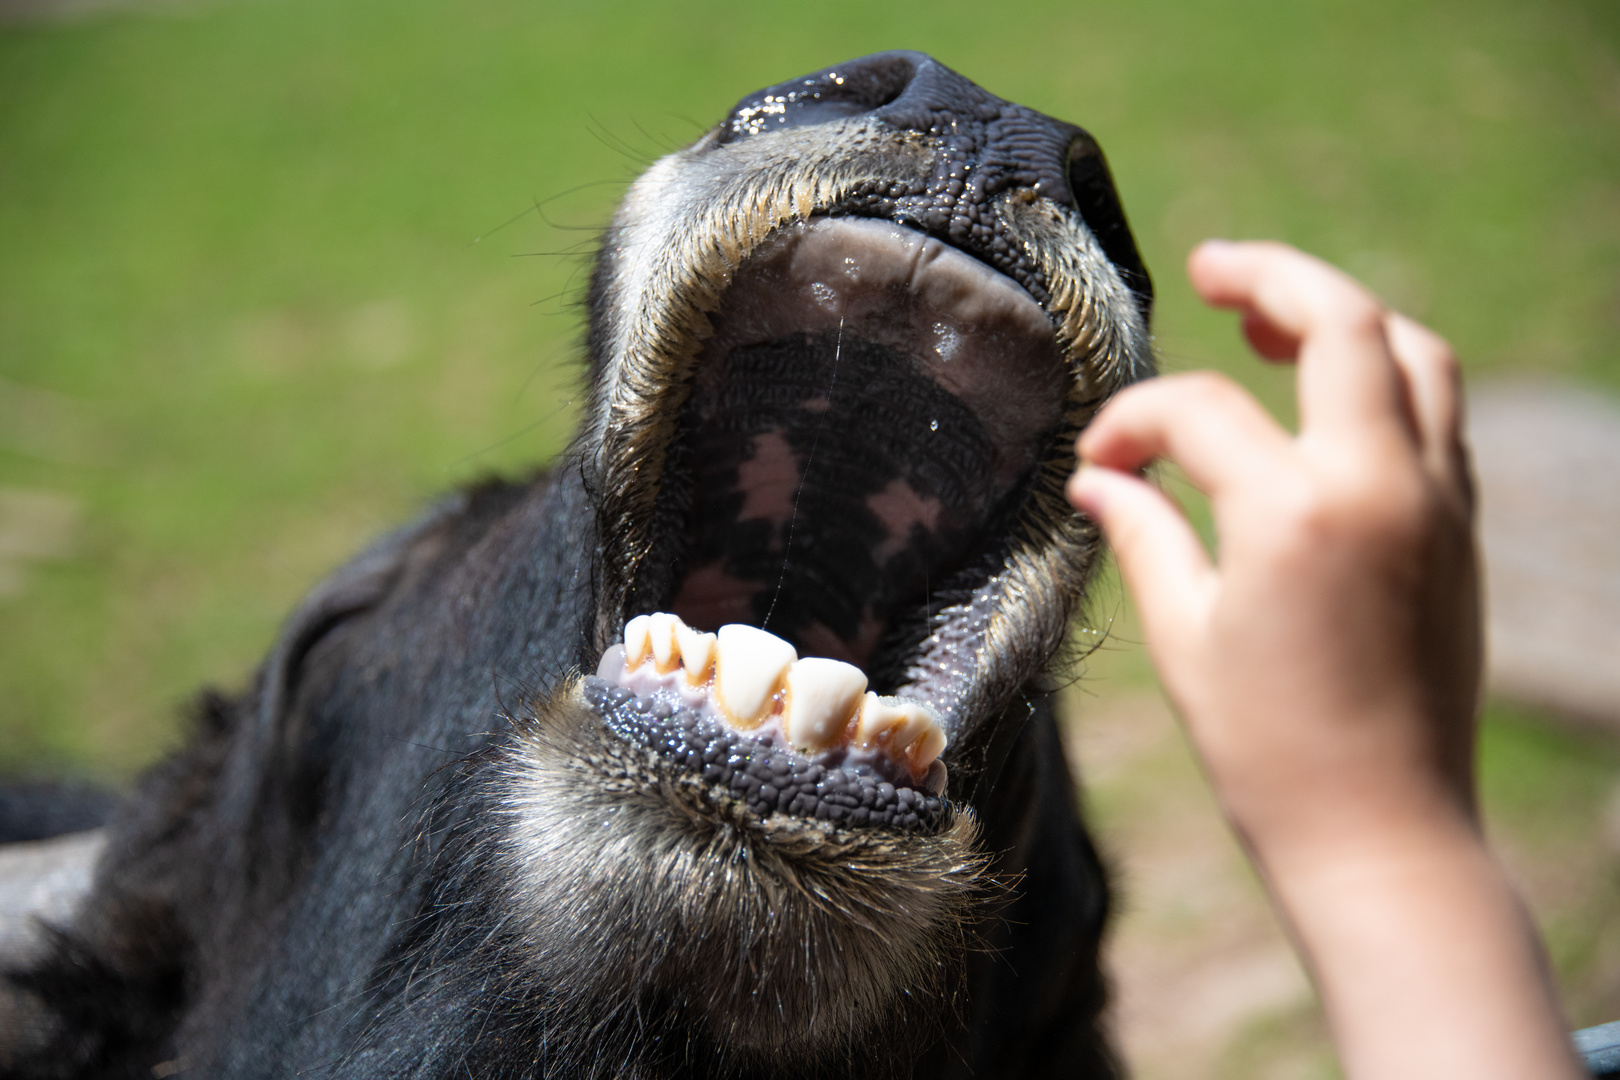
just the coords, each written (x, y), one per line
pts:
(862, 432)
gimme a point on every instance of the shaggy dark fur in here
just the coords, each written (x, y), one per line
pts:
(413, 850)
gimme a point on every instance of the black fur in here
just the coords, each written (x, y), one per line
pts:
(336, 878)
(336, 910)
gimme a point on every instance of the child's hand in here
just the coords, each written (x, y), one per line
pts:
(1326, 664)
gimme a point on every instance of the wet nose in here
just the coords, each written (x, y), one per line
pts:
(866, 85)
(987, 144)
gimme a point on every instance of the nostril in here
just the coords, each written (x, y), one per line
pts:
(835, 93)
(875, 81)
(1092, 187)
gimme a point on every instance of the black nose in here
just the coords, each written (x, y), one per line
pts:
(986, 145)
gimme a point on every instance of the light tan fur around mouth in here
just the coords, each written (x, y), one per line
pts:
(670, 255)
(772, 917)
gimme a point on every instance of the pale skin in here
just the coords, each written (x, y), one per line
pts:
(1326, 661)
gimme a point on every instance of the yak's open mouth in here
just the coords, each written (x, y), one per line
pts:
(841, 360)
(857, 453)
(867, 413)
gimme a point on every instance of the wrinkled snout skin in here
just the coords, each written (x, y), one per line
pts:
(411, 848)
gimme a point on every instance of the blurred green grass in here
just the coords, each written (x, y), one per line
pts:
(274, 272)
(261, 293)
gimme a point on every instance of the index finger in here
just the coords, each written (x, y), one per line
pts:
(1348, 381)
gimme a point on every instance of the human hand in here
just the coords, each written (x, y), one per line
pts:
(1326, 663)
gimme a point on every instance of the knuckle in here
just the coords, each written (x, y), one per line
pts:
(1392, 509)
(1427, 353)
(1397, 511)
(1302, 514)
(1402, 513)
(1423, 341)
(1316, 514)
(1438, 356)
(1444, 358)
(1362, 315)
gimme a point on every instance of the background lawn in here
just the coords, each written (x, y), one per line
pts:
(274, 272)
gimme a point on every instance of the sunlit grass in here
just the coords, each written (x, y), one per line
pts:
(261, 256)
(275, 272)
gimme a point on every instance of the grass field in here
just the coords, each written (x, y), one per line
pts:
(273, 272)
(260, 292)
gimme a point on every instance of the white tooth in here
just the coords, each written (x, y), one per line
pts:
(875, 720)
(822, 696)
(748, 670)
(697, 653)
(926, 750)
(662, 627)
(891, 722)
(637, 640)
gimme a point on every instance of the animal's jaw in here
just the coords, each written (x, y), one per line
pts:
(772, 940)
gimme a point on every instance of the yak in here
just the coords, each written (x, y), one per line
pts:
(722, 748)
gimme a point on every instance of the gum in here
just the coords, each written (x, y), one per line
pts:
(765, 778)
(646, 681)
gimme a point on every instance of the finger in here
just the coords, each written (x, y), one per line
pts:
(1268, 339)
(1434, 381)
(1348, 382)
(1202, 421)
(1159, 555)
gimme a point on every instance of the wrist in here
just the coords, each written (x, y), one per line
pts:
(1363, 830)
(1422, 953)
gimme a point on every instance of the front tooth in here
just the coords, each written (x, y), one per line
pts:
(891, 722)
(697, 653)
(637, 640)
(662, 628)
(822, 696)
(748, 669)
